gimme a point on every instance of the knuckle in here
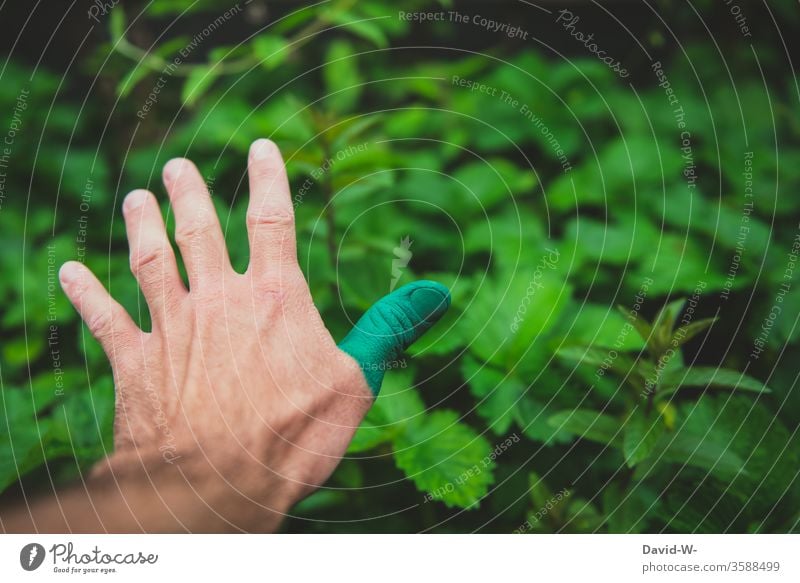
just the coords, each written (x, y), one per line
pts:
(145, 261)
(206, 299)
(279, 283)
(193, 231)
(275, 218)
(308, 403)
(100, 324)
(272, 295)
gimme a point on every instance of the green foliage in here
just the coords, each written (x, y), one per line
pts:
(445, 458)
(616, 416)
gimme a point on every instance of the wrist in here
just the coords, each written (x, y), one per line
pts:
(204, 489)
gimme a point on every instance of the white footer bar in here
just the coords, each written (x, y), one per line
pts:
(400, 558)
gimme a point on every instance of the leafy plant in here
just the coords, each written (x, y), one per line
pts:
(535, 385)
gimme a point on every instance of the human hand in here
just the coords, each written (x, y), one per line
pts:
(238, 383)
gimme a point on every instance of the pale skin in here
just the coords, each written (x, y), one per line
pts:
(238, 402)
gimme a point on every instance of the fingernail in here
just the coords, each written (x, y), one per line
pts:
(135, 199)
(430, 300)
(68, 273)
(173, 168)
(261, 149)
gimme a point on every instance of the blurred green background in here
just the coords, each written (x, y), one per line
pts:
(621, 351)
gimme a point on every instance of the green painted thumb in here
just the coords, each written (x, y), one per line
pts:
(393, 324)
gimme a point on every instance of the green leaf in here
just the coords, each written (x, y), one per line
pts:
(538, 491)
(131, 79)
(622, 364)
(397, 404)
(713, 434)
(591, 425)
(708, 377)
(21, 451)
(399, 401)
(294, 19)
(666, 315)
(628, 162)
(547, 509)
(512, 313)
(23, 437)
(197, 83)
(447, 459)
(618, 243)
(366, 29)
(702, 451)
(685, 333)
(641, 436)
(581, 516)
(663, 325)
(346, 132)
(601, 327)
(368, 436)
(343, 81)
(532, 417)
(627, 509)
(285, 119)
(20, 351)
(83, 169)
(224, 52)
(505, 235)
(182, 7)
(116, 24)
(681, 263)
(787, 330)
(358, 279)
(497, 393)
(486, 184)
(271, 50)
(445, 338)
(172, 46)
(83, 424)
(320, 500)
(643, 327)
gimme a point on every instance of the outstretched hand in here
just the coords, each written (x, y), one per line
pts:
(238, 396)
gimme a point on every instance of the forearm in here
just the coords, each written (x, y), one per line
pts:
(126, 493)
